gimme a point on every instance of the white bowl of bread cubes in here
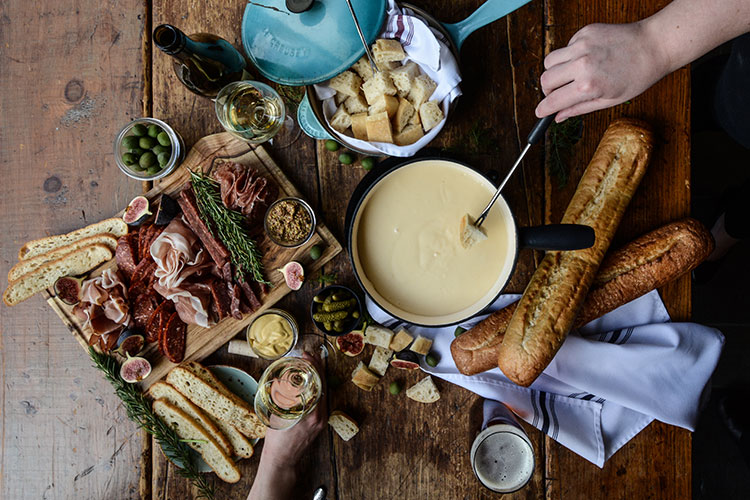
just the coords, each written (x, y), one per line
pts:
(390, 106)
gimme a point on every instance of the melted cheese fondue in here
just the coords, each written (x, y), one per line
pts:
(407, 243)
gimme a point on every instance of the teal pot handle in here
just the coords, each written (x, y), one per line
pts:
(309, 122)
(490, 11)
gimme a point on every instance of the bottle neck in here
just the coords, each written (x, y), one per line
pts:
(169, 39)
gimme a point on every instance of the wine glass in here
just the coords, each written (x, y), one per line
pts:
(251, 111)
(288, 390)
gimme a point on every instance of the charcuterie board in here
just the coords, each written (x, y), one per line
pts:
(201, 342)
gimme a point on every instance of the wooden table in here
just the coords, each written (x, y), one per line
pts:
(76, 71)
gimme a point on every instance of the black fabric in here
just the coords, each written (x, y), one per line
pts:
(737, 213)
(732, 97)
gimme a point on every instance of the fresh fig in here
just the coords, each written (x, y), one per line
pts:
(130, 343)
(351, 344)
(405, 360)
(135, 369)
(137, 211)
(68, 290)
(294, 275)
(168, 209)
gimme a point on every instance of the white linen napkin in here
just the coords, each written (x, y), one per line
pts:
(608, 381)
(429, 49)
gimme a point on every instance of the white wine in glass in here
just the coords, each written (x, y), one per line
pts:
(288, 390)
(251, 111)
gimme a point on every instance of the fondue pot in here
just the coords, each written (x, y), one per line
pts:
(304, 42)
(402, 228)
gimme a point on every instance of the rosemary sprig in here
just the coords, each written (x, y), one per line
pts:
(139, 411)
(562, 137)
(228, 226)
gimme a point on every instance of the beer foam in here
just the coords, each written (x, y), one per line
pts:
(504, 462)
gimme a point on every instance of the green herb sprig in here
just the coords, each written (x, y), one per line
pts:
(228, 226)
(139, 411)
(562, 137)
(325, 279)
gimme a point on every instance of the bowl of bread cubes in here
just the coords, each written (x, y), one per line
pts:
(390, 104)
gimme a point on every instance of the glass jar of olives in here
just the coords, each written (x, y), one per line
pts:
(147, 149)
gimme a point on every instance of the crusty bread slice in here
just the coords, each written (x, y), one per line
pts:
(27, 265)
(430, 114)
(359, 126)
(162, 390)
(379, 128)
(379, 336)
(380, 360)
(387, 50)
(225, 407)
(401, 341)
(114, 226)
(411, 134)
(423, 391)
(346, 83)
(421, 345)
(198, 439)
(72, 264)
(343, 424)
(363, 378)
(341, 120)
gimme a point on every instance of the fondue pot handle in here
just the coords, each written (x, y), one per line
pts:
(488, 12)
(556, 237)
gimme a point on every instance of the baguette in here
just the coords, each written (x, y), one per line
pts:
(72, 264)
(558, 288)
(198, 439)
(343, 424)
(114, 226)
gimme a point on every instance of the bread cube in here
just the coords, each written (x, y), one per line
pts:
(403, 77)
(421, 90)
(421, 345)
(410, 135)
(414, 120)
(380, 360)
(379, 130)
(339, 98)
(430, 114)
(388, 66)
(356, 104)
(400, 341)
(380, 84)
(341, 120)
(387, 50)
(343, 424)
(403, 114)
(359, 126)
(387, 103)
(346, 83)
(423, 391)
(363, 68)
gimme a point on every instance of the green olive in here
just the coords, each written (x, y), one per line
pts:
(346, 158)
(431, 360)
(146, 142)
(368, 163)
(395, 388)
(316, 252)
(129, 159)
(153, 170)
(137, 152)
(163, 158)
(158, 149)
(163, 139)
(459, 331)
(147, 159)
(332, 145)
(153, 130)
(139, 130)
(129, 142)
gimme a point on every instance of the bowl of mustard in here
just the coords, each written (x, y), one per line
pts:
(273, 334)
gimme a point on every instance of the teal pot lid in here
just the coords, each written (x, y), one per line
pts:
(311, 46)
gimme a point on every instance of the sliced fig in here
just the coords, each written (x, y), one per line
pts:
(168, 209)
(68, 290)
(130, 343)
(351, 344)
(294, 275)
(405, 360)
(135, 369)
(137, 211)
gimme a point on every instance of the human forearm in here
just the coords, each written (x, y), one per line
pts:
(273, 482)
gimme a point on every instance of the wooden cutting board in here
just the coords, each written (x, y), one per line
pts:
(201, 342)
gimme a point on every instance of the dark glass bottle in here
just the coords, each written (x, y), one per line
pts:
(204, 63)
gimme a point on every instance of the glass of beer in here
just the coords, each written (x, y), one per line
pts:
(502, 456)
(288, 390)
(251, 111)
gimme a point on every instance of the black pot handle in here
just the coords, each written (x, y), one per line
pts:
(556, 237)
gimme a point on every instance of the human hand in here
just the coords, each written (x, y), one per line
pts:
(602, 66)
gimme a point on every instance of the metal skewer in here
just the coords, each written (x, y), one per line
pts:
(362, 37)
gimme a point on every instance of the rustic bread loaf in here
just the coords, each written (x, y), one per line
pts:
(73, 263)
(558, 288)
(343, 424)
(477, 350)
(424, 391)
(114, 226)
(198, 439)
(27, 265)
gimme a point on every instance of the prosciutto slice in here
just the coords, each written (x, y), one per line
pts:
(181, 266)
(104, 305)
(244, 189)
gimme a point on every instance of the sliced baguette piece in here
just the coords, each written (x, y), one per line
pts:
(72, 264)
(387, 103)
(401, 341)
(114, 226)
(363, 378)
(379, 336)
(199, 440)
(424, 391)
(430, 115)
(165, 392)
(344, 425)
(379, 128)
(379, 84)
(404, 76)
(421, 90)
(411, 134)
(227, 408)
(363, 68)
(27, 265)
(421, 346)
(404, 113)
(379, 361)
(359, 126)
(386, 50)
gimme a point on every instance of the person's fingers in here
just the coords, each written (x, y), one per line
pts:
(556, 77)
(584, 107)
(565, 97)
(560, 56)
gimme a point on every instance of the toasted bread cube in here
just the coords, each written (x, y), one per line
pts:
(422, 345)
(339, 98)
(341, 120)
(410, 135)
(430, 114)
(363, 68)
(359, 126)
(387, 50)
(421, 90)
(356, 104)
(403, 77)
(378, 85)
(401, 341)
(388, 66)
(363, 378)
(387, 103)
(346, 83)
(403, 114)
(380, 360)
(378, 336)
(379, 130)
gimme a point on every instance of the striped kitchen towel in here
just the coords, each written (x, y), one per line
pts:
(608, 381)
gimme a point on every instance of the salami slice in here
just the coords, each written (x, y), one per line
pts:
(143, 307)
(126, 256)
(175, 336)
(158, 318)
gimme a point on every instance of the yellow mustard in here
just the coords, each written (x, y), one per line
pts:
(270, 335)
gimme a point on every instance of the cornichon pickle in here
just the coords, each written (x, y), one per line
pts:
(338, 329)
(328, 299)
(330, 316)
(339, 305)
(340, 296)
(328, 326)
(338, 324)
(355, 314)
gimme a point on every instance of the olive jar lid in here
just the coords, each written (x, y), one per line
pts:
(301, 42)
